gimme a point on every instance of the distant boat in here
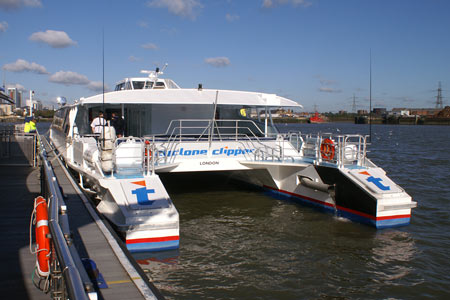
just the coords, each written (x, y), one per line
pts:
(316, 119)
(361, 120)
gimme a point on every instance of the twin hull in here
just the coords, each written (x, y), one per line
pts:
(139, 206)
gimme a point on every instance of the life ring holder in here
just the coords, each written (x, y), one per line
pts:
(42, 233)
(327, 149)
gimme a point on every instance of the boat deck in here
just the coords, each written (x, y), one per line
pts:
(19, 186)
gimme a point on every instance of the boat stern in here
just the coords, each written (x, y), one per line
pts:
(143, 212)
(152, 240)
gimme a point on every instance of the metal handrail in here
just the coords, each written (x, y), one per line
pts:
(177, 125)
(348, 149)
(7, 133)
(75, 286)
(356, 144)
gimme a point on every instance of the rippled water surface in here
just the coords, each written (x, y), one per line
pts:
(239, 243)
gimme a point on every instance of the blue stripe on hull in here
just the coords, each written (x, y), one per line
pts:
(380, 224)
(154, 246)
(392, 223)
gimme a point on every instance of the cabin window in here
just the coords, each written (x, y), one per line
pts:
(138, 85)
(120, 86)
(82, 121)
(128, 85)
(159, 85)
(148, 85)
(171, 84)
(60, 120)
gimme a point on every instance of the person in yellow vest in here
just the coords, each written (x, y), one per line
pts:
(30, 127)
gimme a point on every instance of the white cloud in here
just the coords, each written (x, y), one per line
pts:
(217, 61)
(3, 26)
(73, 78)
(267, 3)
(133, 58)
(273, 3)
(327, 82)
(69, 78)
(329, 90)
(231, 18)
(143, 24)
(22, 65)
(55, 39)
(16, 86)
(325, 85)
(17, 4)
(183, 8)
(170, 31)
(97, 86)
(304, 3)
(33, 3)
(150, 46)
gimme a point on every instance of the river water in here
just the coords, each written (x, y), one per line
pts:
(237, 242)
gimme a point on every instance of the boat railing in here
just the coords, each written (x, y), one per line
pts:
(245, 132)
(327, 148)
(323, 148)
(17, 147)
(68, 278)
(206, 129)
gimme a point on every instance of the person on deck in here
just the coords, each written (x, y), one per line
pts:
(118, 124)
(97, 123)
(30, 127)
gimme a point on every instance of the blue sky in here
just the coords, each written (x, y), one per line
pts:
(315, 52)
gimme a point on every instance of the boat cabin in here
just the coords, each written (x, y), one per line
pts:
(145, 83)
(140, 83)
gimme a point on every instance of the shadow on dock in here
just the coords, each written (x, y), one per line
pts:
(20, 184)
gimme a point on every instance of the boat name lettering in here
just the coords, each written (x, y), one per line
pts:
(224, 151)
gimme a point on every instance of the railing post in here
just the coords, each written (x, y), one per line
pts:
(154, 155)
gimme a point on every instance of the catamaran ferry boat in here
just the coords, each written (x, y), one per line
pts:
(168, 129)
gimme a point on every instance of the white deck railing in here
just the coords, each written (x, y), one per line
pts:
(348, 150)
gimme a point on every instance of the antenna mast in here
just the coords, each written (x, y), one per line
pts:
(370, 97)
(103, 87)
(354, 104)
(439, 97)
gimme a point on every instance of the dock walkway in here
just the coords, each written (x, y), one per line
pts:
(19, 186)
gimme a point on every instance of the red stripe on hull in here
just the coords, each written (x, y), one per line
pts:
(154, 239)
(341, 207)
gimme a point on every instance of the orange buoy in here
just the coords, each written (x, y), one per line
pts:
(327, 149)
(147, 152)
(42, 239)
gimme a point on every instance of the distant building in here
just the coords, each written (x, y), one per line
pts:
(5, 109)
(40, 106)
(415, 111)
(16, 95)
(342, 112)
(37, 105)
(424, 111)
(400, 112)
(362, 112)
(379, 111)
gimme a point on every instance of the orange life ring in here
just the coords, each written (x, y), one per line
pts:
(147, 152)
(42, 237)
(327, 149)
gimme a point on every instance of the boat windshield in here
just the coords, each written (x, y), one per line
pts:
(143, 84)
(138, 85)
(156, 119)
